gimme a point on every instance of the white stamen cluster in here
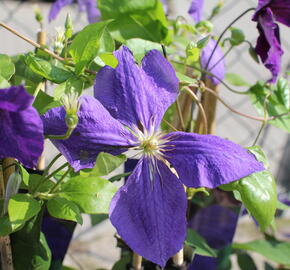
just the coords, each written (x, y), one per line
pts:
(71, 103)
(150, 143)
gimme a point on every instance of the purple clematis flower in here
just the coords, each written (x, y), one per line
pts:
(90, 6)
(268, 44)
(21, 129)
(130, 101)
(216, 66)
(196, 9)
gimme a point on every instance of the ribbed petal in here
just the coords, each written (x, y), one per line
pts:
(136, 94)
(209, 161)
(268, 44)
(149, 212)
(21, 129)
(56, 8)
(216, 65)
(97, 131)
(15, 99)
(196, 10)
(280, 9)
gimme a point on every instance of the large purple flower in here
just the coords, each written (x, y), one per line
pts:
(130, 101)
(212, 63)
(21, 129)
(268, 44)
(90, 6)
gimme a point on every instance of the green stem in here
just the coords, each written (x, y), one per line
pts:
(264, 123)
(225, 30)
(54, 188)
(61, 137)
(57, 170)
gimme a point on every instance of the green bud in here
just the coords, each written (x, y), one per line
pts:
(68, 27)
(192, 52)
(204, 27)
(71, 120)
(253, 54)
(237, 36)
(38, 15)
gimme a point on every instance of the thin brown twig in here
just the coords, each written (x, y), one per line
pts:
(35, 44)
(170, 125)
(195, 98)
(180, 115)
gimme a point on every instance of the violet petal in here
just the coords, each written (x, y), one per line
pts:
(209, 161)
(149, 214)
(268, 44)
(56, 7)
(216, 65)
(133, 94)
(96, 131)
(196, 10)
(21, 129)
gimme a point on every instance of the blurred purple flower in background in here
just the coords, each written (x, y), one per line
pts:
(130, 101)
(215, 63)
(90, 6)
(21, 129)
(268, 44)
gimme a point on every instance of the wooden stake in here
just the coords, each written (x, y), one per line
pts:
(137, 261)
(209, 103)
(178, 258)
(5, 244)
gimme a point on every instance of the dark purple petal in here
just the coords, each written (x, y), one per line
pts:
(21, 130)
(209, 161)
(268, 44)
(196, 9)
(149, 212)
(56, 8)
(133, 94)
(14, 99)
(217, 63)
(97, 131)
(90, 6)
(279, 8)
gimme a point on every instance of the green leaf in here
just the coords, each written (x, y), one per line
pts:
(140, 47)
(235, 79)
(122, 263)
(34, 181)
(282, 206)
(277, 102)
(43, 102)
(183, 79)
(24, 74)
(237, 36)
(29, 247)
(118, 177)
(4, 83)
(136, 19)
(109, 59)
(22, 207)
(283, 92)
(196, 241)
(92, 194)
(246, 262)
(273, 250)
(7, 227)
(47, 70)
(93, 39)
(71, 85)
(259, 154)
(224, 261)
(7, 68)
(64, 209)
(258, 193)
(203, 42)
(106, 163)
(24, 174)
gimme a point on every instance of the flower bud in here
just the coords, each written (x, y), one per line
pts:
(71, 105)
(38, 15)
(68, 27)
(59, 40)
(192, 52)
(204, 27)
